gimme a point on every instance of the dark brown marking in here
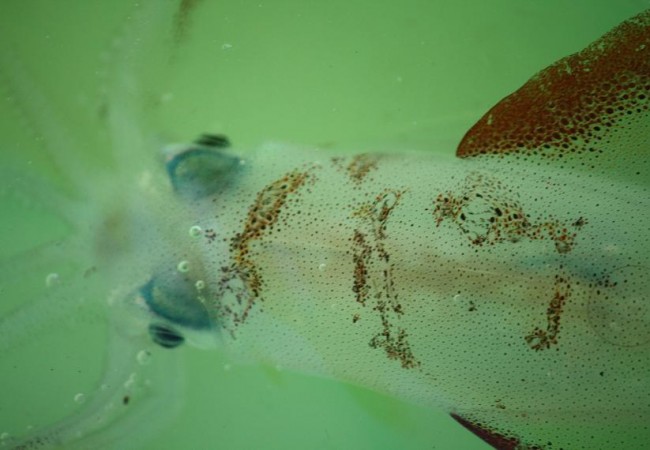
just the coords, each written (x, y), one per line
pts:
(485, 211)
(395, 344)
(361, 257)
(572, 105)
(373, 277)
(242, 278)
(542, 339)
(496, 439)
(359, 166)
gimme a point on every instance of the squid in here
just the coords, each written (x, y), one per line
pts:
(505, 284)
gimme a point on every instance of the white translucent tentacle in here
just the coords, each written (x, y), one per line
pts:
(42, 118)
(141, 389)
(132, 397)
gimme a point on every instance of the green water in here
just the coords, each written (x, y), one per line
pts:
(355, 75)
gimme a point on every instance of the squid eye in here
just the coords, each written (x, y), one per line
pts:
(203, 168)
(165, 336)
(174, 297)
(176, 302)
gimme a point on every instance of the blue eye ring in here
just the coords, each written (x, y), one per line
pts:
(203, 168)
(174, 299)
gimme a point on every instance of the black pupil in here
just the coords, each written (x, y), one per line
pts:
(165, 336)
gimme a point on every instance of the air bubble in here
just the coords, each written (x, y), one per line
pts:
(52, 279)
(183, 266)
(143, 357)
(195, 231)
(80, 398)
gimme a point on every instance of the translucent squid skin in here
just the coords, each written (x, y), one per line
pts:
(505, 284)
(507, 287)
(377, 269)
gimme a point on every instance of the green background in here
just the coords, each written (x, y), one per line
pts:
(357, 75)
